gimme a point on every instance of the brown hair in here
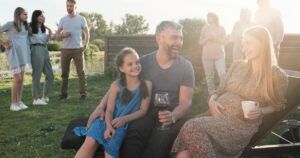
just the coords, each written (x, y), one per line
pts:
(72, 1)
(17, 20)
(126, 95)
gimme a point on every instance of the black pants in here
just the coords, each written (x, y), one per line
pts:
(143, 140)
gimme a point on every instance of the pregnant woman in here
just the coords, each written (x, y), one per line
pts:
(224, 132)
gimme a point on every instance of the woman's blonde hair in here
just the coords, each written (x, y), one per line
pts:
(17, 20)
(267, 59)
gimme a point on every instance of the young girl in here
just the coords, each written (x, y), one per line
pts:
(128, 100)
(40, 57)
(18, 54)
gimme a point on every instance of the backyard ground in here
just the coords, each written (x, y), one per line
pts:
(37, 131)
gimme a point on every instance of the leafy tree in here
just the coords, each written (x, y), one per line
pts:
(97, 25)
(2, 37)
(191, 32)
(132, 25)
(99, 43)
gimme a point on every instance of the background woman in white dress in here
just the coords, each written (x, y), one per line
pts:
(18, 54)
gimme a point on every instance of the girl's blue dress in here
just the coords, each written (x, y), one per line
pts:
(97, 129)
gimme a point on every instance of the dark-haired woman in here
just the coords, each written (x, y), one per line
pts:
(18, 54)
(128, 100)
(40, 58)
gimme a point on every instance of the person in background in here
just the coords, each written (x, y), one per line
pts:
(213, 39)
(224, 131)
(237, 31)
(271, 19)
(70, 30)
(40, 59)
(18, 54)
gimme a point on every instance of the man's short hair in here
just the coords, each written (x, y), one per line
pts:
(72, 1)
(167, 24)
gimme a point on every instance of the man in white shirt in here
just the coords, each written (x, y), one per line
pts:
(70, 30)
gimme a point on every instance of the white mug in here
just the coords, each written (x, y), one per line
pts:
(248, 105)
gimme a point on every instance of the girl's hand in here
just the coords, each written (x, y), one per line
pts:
(97, 113)
(109, 132)
(215, 107)
(6, 44)
(254, 113)
(118, 122)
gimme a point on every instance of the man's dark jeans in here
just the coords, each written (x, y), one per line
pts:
(144, 140)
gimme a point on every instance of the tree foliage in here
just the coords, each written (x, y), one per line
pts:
(191, 31)
(97, 25)
(132, 25)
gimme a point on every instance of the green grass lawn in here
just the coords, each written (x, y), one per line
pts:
(37, 131)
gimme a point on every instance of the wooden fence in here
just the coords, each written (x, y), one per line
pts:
(289, 54)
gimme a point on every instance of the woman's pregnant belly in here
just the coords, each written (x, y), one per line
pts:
(232, 104)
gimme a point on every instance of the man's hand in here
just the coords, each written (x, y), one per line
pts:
(65, 34)
(165, 117)
(118, 122)
(97, 113)
(84, 47)
(215, 108)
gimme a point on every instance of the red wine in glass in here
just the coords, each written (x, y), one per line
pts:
(161, 101)
(162, 107)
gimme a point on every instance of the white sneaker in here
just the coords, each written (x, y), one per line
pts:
(39, 102)
(22, 105)
(46, 99)
(15, 107)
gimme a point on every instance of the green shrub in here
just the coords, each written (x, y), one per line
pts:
(54, 45)
(91, 49)
(99, 43)
(111, 72)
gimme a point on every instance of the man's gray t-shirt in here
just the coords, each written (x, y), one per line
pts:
(74, 26)
(181, 73)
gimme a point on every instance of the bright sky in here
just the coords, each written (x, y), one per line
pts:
(154, 11)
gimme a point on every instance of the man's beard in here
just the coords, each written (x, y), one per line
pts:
(172, 55)
(70, 11)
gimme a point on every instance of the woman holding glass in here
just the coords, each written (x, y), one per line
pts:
(224, 131)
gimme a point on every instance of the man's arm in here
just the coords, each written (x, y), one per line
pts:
(60, 34)
(185, 102)
(86, 33)
(279, 30)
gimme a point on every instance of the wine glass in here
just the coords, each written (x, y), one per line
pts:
(161, 101)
